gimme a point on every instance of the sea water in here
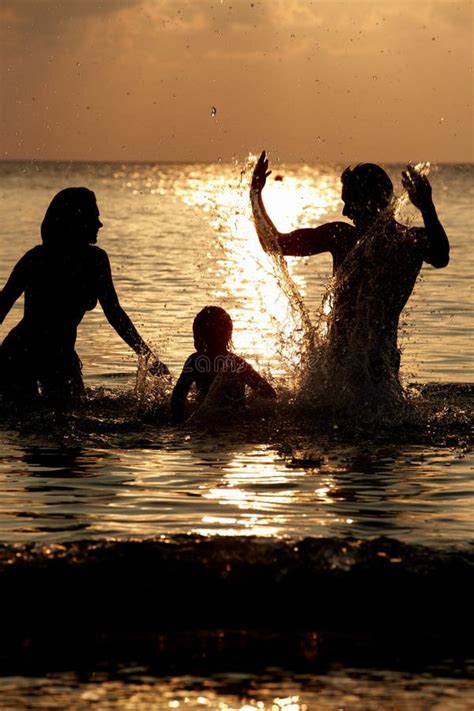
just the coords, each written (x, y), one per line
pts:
(180, 237)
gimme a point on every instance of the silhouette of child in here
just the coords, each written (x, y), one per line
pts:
(217, 373)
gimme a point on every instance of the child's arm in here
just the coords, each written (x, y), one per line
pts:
(255, 381)
(181, 390)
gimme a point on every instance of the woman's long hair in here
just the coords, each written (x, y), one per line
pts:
(66, 218)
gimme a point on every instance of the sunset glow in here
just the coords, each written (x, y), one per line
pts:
(197, 80)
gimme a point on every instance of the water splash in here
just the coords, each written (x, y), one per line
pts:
(353, 372)
(252, 289)
(282, 274)
(349, 358)
(338, 373)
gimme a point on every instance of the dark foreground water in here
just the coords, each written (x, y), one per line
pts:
(326, 569)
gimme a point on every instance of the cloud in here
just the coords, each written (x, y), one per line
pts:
(137, 78)
(27, 8)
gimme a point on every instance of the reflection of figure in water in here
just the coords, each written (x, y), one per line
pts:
(212, 329)
(62, 279)
(376, 262)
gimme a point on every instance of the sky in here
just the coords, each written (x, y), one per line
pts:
(209, 80)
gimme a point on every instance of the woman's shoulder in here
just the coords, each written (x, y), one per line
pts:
(190, 362)
(98, 257)
(33, 256)
(36, 252)
(97, 252)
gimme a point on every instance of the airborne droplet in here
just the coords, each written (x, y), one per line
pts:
(213, 111)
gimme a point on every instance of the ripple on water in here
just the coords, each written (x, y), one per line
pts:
(107, 475)
(272, 691)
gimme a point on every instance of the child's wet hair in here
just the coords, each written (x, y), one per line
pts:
(212, 328)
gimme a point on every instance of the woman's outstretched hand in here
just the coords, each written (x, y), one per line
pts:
(260, 173)
(417, 186)
(158, 368)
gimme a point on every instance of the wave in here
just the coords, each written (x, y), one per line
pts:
(188, 600)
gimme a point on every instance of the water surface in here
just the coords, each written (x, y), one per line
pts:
(180, 237)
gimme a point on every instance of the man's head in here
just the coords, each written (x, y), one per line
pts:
(366, 191)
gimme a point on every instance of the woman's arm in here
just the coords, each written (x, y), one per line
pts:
(419, 191)
(116, 316)
(298, 243)
(14, 287)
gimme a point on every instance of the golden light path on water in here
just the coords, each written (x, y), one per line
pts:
(258, 510)
(267, 322)
(343, 688)
(246, 493)
(201, 700)
(289, 703)
(259, 497)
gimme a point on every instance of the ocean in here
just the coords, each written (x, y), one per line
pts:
(80, 485)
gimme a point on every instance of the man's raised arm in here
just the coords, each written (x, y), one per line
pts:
(298, 243)
(419, 191)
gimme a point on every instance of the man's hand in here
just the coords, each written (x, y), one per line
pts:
(418, 188)
(260, 173)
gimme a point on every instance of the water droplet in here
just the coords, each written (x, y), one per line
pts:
(374, 77)
(213, 111)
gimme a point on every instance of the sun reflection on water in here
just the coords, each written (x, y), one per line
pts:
(257, 492)
(267, 323)
(288, 703)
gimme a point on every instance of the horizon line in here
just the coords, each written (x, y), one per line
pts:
(92, 161)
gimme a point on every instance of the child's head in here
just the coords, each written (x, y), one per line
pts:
(212, 329)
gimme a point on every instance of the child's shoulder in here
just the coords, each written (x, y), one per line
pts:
(237, 362)
(191, 360)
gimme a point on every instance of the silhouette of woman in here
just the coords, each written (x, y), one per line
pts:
(62, 279)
